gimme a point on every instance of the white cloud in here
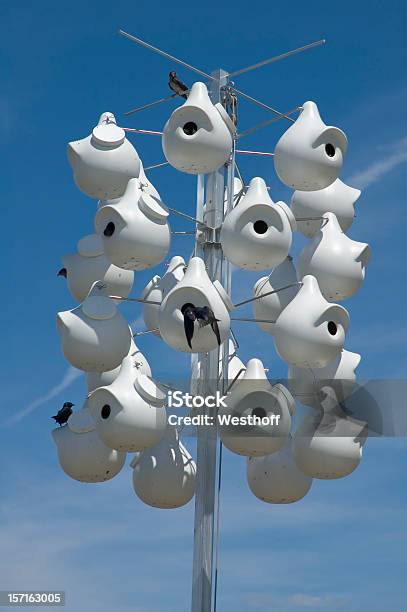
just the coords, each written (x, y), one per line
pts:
(380, 168)
(71, 374)
(314, 601)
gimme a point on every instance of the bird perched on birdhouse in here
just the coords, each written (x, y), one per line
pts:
(62, 416)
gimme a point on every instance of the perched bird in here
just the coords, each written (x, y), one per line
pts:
(204, 315)
(63, 415)
(63, 272)
(177, 86)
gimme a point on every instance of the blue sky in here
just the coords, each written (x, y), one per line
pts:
(343, 546)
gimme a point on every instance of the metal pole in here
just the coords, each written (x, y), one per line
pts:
(208, 382)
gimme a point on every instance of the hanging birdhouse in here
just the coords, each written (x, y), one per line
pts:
(198, 136)
(306, 383)
(129, 414)
(337, 198)
(101, 379)
(276, 479)
(270, 307)
(328, 443)
(190, 330)
(104, 162)
(257, 234)
(337, 262)
(310, 332)
(82, 454)
(257, 419)
(89, 265)
(134, 230)
(155, 290)
(95, 336)
(164, 475)
(309, 155)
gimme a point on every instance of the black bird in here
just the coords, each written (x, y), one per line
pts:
(63, 415)
(205, 316)
(63, 272)
(177, 86)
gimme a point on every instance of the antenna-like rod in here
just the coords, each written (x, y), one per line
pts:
(149, 105)
(268, 122)
(259, 103)
(201, 72)
(277, 58)
(165, 54)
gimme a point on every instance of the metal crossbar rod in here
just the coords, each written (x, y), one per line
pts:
(266, 123)
(259, 103)
(149, 105)
(147, 331)
(243, 152)
(265, 294)
(177, 212)
(165, 54)
(253, 320)
(156, 166)
(150, 132)
(128, 299)
(277, 58)
(201, 72)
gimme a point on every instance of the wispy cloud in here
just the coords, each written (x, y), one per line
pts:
(71, 374)
(380, 168)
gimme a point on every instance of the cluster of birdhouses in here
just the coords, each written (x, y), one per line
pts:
(295, 303)
(125, 409)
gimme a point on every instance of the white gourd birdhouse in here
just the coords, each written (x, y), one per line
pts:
(164, 475)
(254, 396)
(257, 234)
(270, 307)
(134, 229)
(95, 336)
(336, 261)
(197, 138)
(130, 413)
(309, 155)
(337, 198)
(276, 479)
(157, 288)
(89, 265)
(306, 383)
(82, 454)
(195, 289)
(310, 331)
(101, 379)
(328, 443)
(104, 162)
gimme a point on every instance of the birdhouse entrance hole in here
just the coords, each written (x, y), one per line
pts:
(190, 128)
(260, 227)
(109, 229)
(105, 412)
(332, 328)
(259, 412)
